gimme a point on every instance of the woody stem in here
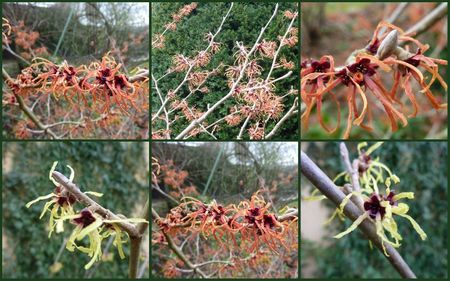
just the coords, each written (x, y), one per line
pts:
(177, 251)
(28, 112)
(135, 243)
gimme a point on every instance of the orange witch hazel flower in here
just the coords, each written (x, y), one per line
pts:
(6, 29)
(251, 219)
(100, 83)
(361, 75)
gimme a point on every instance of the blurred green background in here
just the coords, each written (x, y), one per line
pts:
(119, 170)
(243, 25)
(422, 168)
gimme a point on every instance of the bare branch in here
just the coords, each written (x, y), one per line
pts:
(177, 251)
(291, 111)
(352, 171)
(83, 198)
(428, 21)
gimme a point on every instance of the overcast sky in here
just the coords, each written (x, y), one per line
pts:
(141, 11)
(288, 150)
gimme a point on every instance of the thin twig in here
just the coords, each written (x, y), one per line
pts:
(288, 114)
(352, 171)
(428, 21)
(401, 7)
(168, 196)
(178, 251)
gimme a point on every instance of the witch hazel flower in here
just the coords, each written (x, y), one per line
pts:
(87, 222)
(61, 200)
(362, 76)
(382, 208)
(96, 228)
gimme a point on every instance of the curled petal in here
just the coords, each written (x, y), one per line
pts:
(28, 205)
(373, 147)
(70, 245)
(416, 226)
(349, 118)
(408, 91)
(90, 228)
(51, 172)
(46, 207)
(355, 224)
(96, 248)
(407, 195)
(96, 194)
(72, 173)
(400, 209)
(359, 120)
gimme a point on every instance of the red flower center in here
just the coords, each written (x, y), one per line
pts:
(374, 207)
(85, 219)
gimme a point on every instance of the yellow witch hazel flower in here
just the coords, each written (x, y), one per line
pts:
(96, 229)
(371, 171)
(88, 224)
(378, 207)
(60, 198)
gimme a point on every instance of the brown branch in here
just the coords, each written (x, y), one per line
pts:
(143, 75)
(352, 170)
(401, 7)
(289, 216)
(177, 251)
(86, 200)
(28, 112)
(322, 182)
(428, 21)
(136, 243)
(291, 111)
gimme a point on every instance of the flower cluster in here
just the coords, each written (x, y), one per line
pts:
(87, 222)
(362, 74)
(255, 97)
(99, 83)
(380, 207)
(159, 40)
(175, 179)
(251, 219)
(24, 38)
